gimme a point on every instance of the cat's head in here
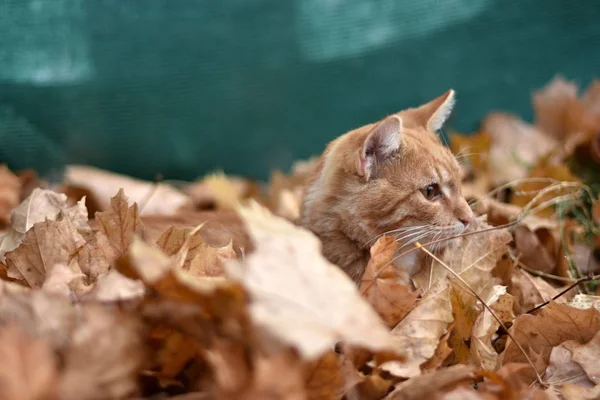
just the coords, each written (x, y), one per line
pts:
(391, 175)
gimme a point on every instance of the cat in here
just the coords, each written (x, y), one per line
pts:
(394, 176)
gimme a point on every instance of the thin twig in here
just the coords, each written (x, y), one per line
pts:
(474, 293)
(566, 290)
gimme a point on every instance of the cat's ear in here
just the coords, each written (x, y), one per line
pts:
(382, 142)
(435, 113)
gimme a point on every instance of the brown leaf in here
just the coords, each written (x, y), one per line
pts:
(563, 369)
(105, 354)
(47, 244)
(553, 325)
(516, 147)
(587, 357)
(323, 377)
(530, 291)
(532, 252)
(473, 258)
(220, 191)
(10, 190)
(297, 296)
(28, 369)
(116, 229)
(382, 287)
(279, 377)
(231, 366)
(120, 223)
(482, 350)
(576, 392)
(156, 198)
(432, 384)
(114, 286)
(40, 206)
(60, 279)
(552, 105)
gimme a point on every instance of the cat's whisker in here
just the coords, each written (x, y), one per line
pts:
(398, 230)
(405, 237)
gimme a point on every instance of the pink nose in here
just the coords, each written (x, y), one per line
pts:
(465, 221)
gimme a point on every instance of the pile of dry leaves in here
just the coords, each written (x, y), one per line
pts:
(114, 288)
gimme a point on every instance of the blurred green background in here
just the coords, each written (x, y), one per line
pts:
(184, 87)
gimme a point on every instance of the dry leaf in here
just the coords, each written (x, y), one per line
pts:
(230, 363)
(10, 191)
(114, 286)
(45, 245)
(156, 198)
(105, 354)
(381, 285)
(42, 205)
(563, 369)
(432, 384)
(323, 377)
(576, 392)
(553, 325)
(219, 191)
(484, 354)
(516, 146)
(473, 258)
(531, 251)
(530, 291)
(584, 301)
(60, 279)
(28, 370)
(297, 296)
(116, 229)
(288, 384)
(551, 105)
(588, 356)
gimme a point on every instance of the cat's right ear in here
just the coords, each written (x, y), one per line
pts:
(382, 142)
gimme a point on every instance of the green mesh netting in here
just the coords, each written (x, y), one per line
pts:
(182, 87)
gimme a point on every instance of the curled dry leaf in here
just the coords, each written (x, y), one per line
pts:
(42, 205)
(563, 369)
(10, 191)
(45, 245)
(432, 384)
(587, 357)
(382, 286)
(473, 258)
(297, 296)
(28, 369)
(483, 353)
(553, 325)
(156, 198)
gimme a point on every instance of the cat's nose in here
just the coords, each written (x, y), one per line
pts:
(465, 221)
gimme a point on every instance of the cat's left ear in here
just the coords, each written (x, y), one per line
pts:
(381, 143)
(435, 113)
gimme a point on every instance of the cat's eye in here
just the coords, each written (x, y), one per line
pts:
(432, 192)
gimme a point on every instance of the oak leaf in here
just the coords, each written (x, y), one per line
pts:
(553, 325)
(45, 245)
(297, 296)
(381, 286)
(28, 369)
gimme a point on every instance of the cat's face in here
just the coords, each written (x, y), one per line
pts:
(392, 176)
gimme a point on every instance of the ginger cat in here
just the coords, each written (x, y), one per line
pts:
(395, 177)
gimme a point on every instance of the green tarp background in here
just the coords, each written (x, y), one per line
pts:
(183, 87)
